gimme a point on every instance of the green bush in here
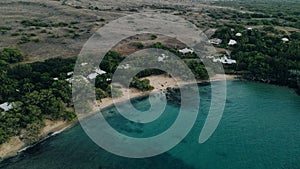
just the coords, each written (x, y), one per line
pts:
(11, 55)
(143, 85)
(153, 37)
(139, 45)
(24, 39)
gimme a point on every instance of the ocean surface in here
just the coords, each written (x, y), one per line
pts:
(260, 129)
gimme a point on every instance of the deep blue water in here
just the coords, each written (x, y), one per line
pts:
(260, 129)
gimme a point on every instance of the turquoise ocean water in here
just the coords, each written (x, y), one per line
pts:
(260, 129)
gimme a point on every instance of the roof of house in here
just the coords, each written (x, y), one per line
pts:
(99, 71)
(232, 42)
(126, 66)
(69, 73)
(92, 76)
(215, 41)
(224, 60)
(162, 58)
(83, 64)
(6, 106)
(238, 34)
(186, 50)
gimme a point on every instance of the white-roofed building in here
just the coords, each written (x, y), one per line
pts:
(215, 41)
(186, 50)
(99, 71)
(84, 64)
(285, 39)
(92, 76)
(224, 60)
(162, 58)
(6, 106)
(238, 34)
(96, 73)
(232, 42)
(69, 73)
(126, 66)
(70, 80)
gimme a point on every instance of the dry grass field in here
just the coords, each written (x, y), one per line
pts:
(59, 28)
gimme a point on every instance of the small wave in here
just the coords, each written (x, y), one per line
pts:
(45, 138)
(25, 148)
(58, 132)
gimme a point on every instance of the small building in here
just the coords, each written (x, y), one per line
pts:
(210, 57)
(99, 71)
(186, 50)
(84, 64)
(162, 58)
(232, 42)
(6, 106)
(96, 73)
(69, 73)
(285, 39)
(126, 66)
(215, 41)
(92, 76)
(224, 60)
(77, 79)
(238, 34)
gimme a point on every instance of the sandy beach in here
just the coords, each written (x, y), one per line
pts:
(15, 144)
(159, 82)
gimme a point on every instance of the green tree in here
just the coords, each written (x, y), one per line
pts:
(11, 55)
(143, 85)
(100, 94)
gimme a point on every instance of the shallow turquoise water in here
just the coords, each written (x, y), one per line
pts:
(260, 129)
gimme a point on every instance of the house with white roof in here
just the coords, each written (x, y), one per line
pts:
(215, 41)
(99, 71)
(126, 66)
(69, 73)
(224, 60)
(6, 106)
(70, 80)
(238, 34)
(84, 64)
(285, 39)
(186, 50)
(92, 76)
(162, 58)
(232, 42)
(96, 73)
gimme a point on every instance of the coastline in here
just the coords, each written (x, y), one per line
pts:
(15, 145)
(159, 82)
